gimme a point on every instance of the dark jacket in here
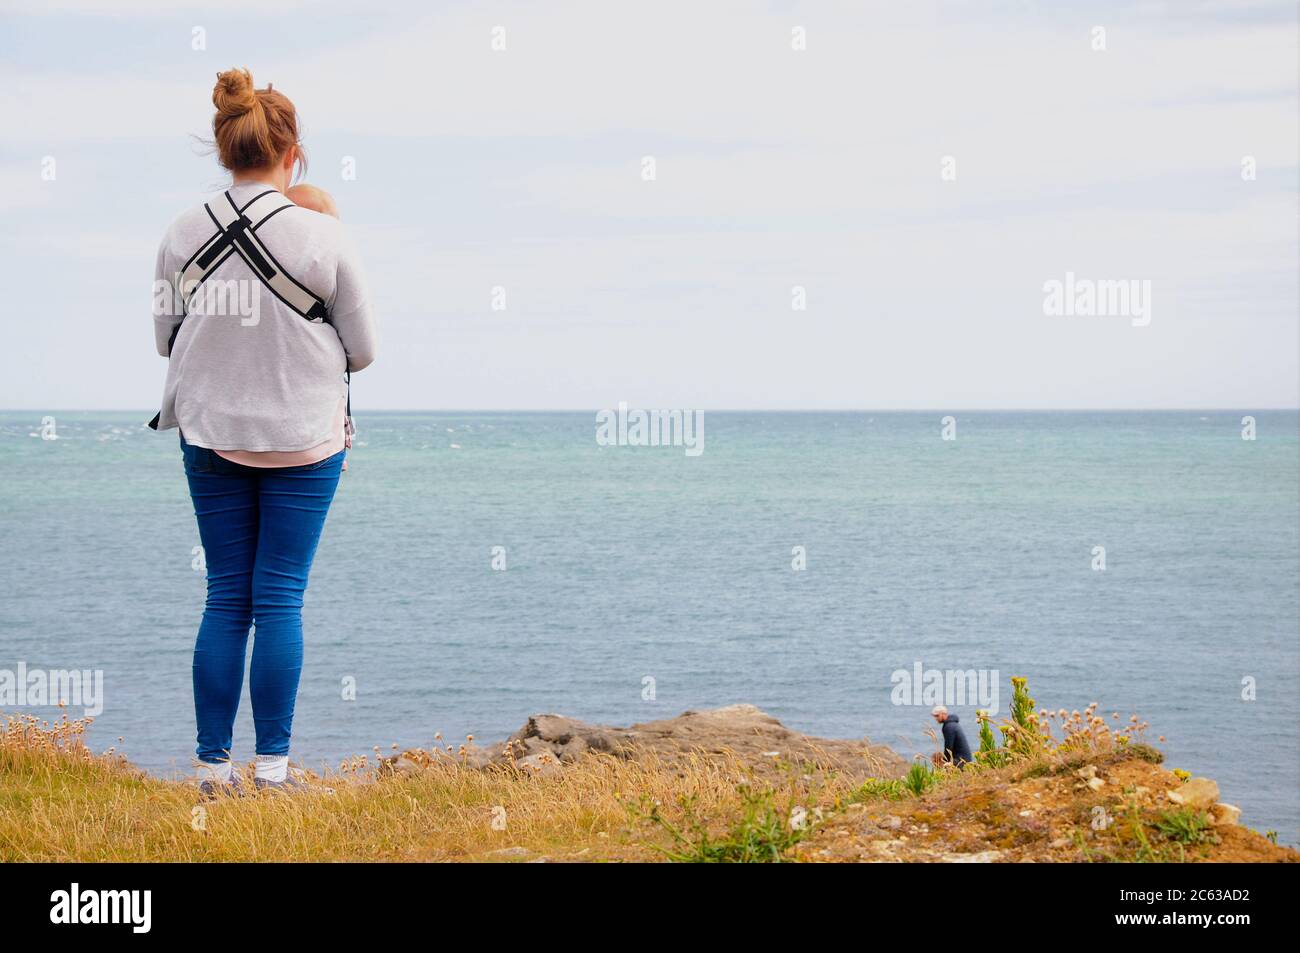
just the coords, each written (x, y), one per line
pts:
(955, 748)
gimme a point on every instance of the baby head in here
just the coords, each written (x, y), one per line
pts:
(311, 197)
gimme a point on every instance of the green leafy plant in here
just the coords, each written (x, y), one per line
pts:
(1186, 826)
(1145, 752)
(762, 834)
(920, 778)
(989, 752)
(881, 789)
(1023, 735)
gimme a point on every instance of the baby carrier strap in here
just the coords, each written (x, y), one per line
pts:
(237, 235)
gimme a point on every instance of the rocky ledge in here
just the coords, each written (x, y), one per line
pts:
(547, 742)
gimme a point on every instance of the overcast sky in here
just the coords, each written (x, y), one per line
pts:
(775, 168)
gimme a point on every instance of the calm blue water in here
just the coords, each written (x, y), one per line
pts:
(632, 562)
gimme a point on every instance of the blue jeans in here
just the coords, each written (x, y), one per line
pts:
(259, 528)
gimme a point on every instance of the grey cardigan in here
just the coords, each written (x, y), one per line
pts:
(246, 371)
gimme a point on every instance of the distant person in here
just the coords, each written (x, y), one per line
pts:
(956, 750)
(261, 403)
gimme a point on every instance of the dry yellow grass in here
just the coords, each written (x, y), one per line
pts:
(1029, 799)
(61, 802)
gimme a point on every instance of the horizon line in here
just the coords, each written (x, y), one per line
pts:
(716, 410)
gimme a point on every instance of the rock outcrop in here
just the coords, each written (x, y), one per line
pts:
(547, 742)
(1196, 793)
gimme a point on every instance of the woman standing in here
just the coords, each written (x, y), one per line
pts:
(261, 402)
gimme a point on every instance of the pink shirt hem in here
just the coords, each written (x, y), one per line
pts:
(291, 458)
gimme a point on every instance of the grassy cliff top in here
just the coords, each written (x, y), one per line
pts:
(1068, 791)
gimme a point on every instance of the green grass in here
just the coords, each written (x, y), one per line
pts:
(920, 778)
(881, 789)
(761, 834)
(1186, 826)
